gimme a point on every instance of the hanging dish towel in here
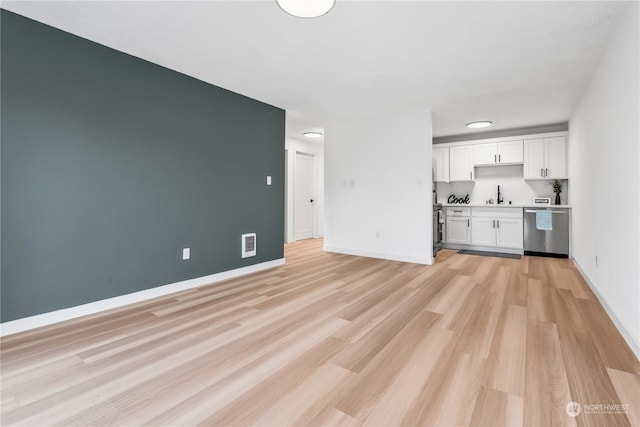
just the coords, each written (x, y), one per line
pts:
(543, 220)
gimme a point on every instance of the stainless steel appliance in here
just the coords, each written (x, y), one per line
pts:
(437, 212)
(438, 224)
(553, 242)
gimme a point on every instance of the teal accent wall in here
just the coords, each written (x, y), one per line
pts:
(111, 165)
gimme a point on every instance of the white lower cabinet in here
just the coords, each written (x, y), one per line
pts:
(497, 227)
(509, 233)
(485, 227)
(483, 231)
(458, 228)
(458, 231)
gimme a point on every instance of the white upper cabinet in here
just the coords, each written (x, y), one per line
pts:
(545, 158)
(441, 164)
(507, 152)
(534, 158)
(510, 152)
(555, 152)
(461, 163)
(485, 154)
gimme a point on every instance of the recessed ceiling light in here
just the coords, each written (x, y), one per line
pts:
(306, 8)
(479, 124)
(313, 134)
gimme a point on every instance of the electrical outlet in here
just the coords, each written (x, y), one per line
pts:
(186, 253)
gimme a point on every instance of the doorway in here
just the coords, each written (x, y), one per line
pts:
(303, 196)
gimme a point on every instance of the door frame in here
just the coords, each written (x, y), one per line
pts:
(314, 187)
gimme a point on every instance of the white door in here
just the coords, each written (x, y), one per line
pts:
(461, 163)
(441, 164)
(485, 154)
(510, 152)
(555, 157)
(303, 190)
(534, 159)
(458, 230)
(483, 232)
(510, 233)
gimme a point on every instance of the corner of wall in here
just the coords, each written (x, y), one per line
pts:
(604, 131)
(379, 186)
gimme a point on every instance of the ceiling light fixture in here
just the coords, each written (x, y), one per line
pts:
(313, 134)
(479, 124)
(306, 8)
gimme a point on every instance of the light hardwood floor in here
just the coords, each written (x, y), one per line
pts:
(333, 340)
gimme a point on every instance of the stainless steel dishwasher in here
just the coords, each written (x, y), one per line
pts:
(553, 242)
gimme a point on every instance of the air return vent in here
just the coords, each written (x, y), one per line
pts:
(248, 245)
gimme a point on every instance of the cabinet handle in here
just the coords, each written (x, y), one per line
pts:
(546, 172)
(499, 158)
(495, 160)
(542, 172)
(471, 175)
(498, 223)
(468, 223)
(493, 223)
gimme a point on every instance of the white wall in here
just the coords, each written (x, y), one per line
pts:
(604, 160)
(316, 148)
(378, 187)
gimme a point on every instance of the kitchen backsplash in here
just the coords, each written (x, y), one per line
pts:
(512, 186)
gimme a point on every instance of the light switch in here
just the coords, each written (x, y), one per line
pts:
(186, 253)
(268, 179)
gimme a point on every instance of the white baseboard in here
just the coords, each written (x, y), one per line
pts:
(44, 319)
(631, 341)
(379, 255)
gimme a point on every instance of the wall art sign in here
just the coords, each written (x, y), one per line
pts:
(453, 199)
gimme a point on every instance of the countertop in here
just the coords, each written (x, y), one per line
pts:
(504, 205)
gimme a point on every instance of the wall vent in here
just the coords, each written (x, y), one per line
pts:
(248, 245)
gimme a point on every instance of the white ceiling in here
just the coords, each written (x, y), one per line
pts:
(515, 63)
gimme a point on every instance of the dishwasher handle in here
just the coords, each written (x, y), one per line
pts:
(534, 211)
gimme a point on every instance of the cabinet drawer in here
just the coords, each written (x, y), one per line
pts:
(497, 212)
(451, 211)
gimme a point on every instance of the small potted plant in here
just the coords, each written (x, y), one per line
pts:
(557, 188)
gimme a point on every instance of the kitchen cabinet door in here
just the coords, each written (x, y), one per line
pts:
(509, 233)
(461, 163)
(441, 164)
(485, 154)
(545, 158)
(458, 230)
(534, 158)
(507, 152)
(510, 152)
(483, 232)
(555, 158)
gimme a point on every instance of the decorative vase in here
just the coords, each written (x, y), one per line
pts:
(558, 199)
